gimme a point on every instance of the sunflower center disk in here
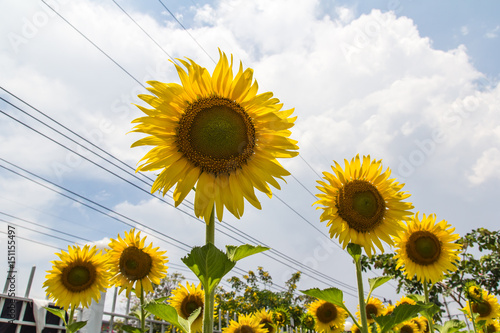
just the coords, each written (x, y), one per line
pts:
(326, 313)
(135, 264)
(216, 134)
(423, 248)
(361, 205)
(244, 329)
(77, 278)
(371, 310)
(189, 304)
(482, 308)
(406, 329)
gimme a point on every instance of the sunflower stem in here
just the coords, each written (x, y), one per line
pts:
(208, 309)
(472, 316)
(426, 295)
(361, 296)
(143, 312)
(70, 317)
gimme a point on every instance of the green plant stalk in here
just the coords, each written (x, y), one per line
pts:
(426, 295)
(143, 312)
(472, 316)
(208, 309)
(361, 296)
(70, 317)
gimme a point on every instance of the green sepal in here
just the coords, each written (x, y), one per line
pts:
(235, 253)
(209, 264)
(332, 295)
(61, 313)
(169, 314)
(76, 326)
(354, 250)
(451, 326)
(400, 314)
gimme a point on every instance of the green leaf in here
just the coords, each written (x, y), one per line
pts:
(131, 329)
(61, 313)
(169, 314)
(378, 281)
(76, 326)
(400, 314)
(450, 326)
(209, 264)
(332, 295)
(354, 250)
(236, 253)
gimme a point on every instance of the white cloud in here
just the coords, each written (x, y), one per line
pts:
(487, 166)
(493, 33)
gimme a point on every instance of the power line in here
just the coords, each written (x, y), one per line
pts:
(147, 34)
(183, 27)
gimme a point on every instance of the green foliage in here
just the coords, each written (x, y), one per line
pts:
(400, 314)
(247, 296)
(169, 314)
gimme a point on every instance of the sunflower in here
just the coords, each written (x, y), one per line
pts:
(427, 249)
(265, 317)
(492, 327)
(389, 309)
(308, 321)
(424, 324)
(405, 300)
(215, 132)
(472, 291)
(133, 265)
(78, 277)
(280, 316)
(186, 300)
(487, 309)
(418, 323)
(374, 308)
(361, 204)
(328, 316)
(407, 327)
(245, 324)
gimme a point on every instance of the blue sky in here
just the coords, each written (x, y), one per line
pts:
(415, 86)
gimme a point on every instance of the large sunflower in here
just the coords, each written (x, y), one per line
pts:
(134, 265)
(427, 249)
(328, 316)
(215, 132)
(361, 204)
(78, 277)
(186, 300)
(245, 324)
(374, 308)
(486, 309)
(265, 318)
